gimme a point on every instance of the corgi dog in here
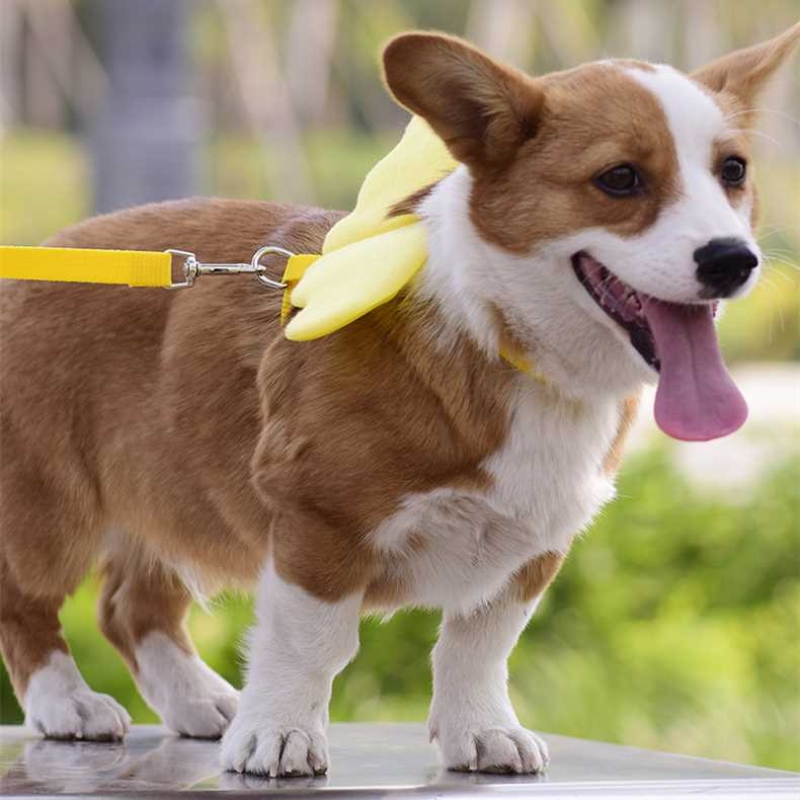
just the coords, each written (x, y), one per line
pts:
(179, 440)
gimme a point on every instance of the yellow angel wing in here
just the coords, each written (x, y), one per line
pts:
(418, 160)
(368, 256)
(350, 282)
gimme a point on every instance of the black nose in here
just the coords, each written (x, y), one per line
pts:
(723, 265)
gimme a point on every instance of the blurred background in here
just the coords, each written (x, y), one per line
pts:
(674, 625)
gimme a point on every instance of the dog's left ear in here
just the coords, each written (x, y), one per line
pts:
(744, 74)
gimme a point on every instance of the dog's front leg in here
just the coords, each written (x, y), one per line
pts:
(472, 719)
(298, 646)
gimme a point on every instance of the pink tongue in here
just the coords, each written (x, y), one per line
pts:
(696, 399)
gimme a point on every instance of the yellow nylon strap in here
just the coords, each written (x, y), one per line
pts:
(518, 361)
(295, 268)
(75, 265)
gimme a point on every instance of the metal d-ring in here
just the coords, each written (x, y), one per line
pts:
(261, 271)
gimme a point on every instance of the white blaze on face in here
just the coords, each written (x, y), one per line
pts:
(660, 261)
(696, 397)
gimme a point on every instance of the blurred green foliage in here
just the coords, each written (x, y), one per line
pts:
(673, 625)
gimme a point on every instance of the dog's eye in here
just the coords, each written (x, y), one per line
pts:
(734, 171)
(620, 181)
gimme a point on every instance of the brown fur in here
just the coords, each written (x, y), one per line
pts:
(532, 580)
(550, 193)
(482, 110)
(139, 409)
(29, 629)
(410, 204)
(628, 410)
(380, 394)
(140, 596)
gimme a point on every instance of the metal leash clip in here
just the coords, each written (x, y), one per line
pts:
(192, 268)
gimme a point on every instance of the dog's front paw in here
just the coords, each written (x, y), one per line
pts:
(501, 749)
(265, 747)
(78, 714)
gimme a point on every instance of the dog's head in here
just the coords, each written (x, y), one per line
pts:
(618, 202)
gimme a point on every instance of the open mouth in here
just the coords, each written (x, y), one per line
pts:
(696, 398)
(620, 301)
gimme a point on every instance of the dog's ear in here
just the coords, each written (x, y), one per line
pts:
(482, 110)
(744, 74)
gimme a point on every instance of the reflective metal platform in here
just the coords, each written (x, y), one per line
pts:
(367, 761)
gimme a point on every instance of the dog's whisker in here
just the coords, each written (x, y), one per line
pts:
(780, 252)
(755, 132)
(777, 260)
(758, 111)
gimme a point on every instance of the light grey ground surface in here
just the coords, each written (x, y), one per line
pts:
(367, 761)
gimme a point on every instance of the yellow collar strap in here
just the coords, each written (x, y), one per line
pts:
(520, 362)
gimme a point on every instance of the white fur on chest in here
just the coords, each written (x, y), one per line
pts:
(456, 549)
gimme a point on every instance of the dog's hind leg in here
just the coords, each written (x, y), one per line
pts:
(142, 612)
(50, 530)
(56, 699)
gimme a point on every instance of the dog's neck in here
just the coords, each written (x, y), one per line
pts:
(449, 277)
(488, 295)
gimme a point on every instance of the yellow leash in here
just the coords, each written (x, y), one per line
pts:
(121, 267)
(136, 267)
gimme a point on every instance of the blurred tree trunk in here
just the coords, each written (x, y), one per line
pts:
(703, 38)
(43, 103)
(503, 28)
(10, 35)
(146, 138)
(266, 101)
(642, 29)
(311, 40)
(72, 67)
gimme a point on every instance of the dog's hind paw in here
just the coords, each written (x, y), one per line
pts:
(276, 751)
(513, 750)
(203, 717)
(187, 694)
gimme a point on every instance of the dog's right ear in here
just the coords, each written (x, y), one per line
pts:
(743, 75)
(482, 110)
